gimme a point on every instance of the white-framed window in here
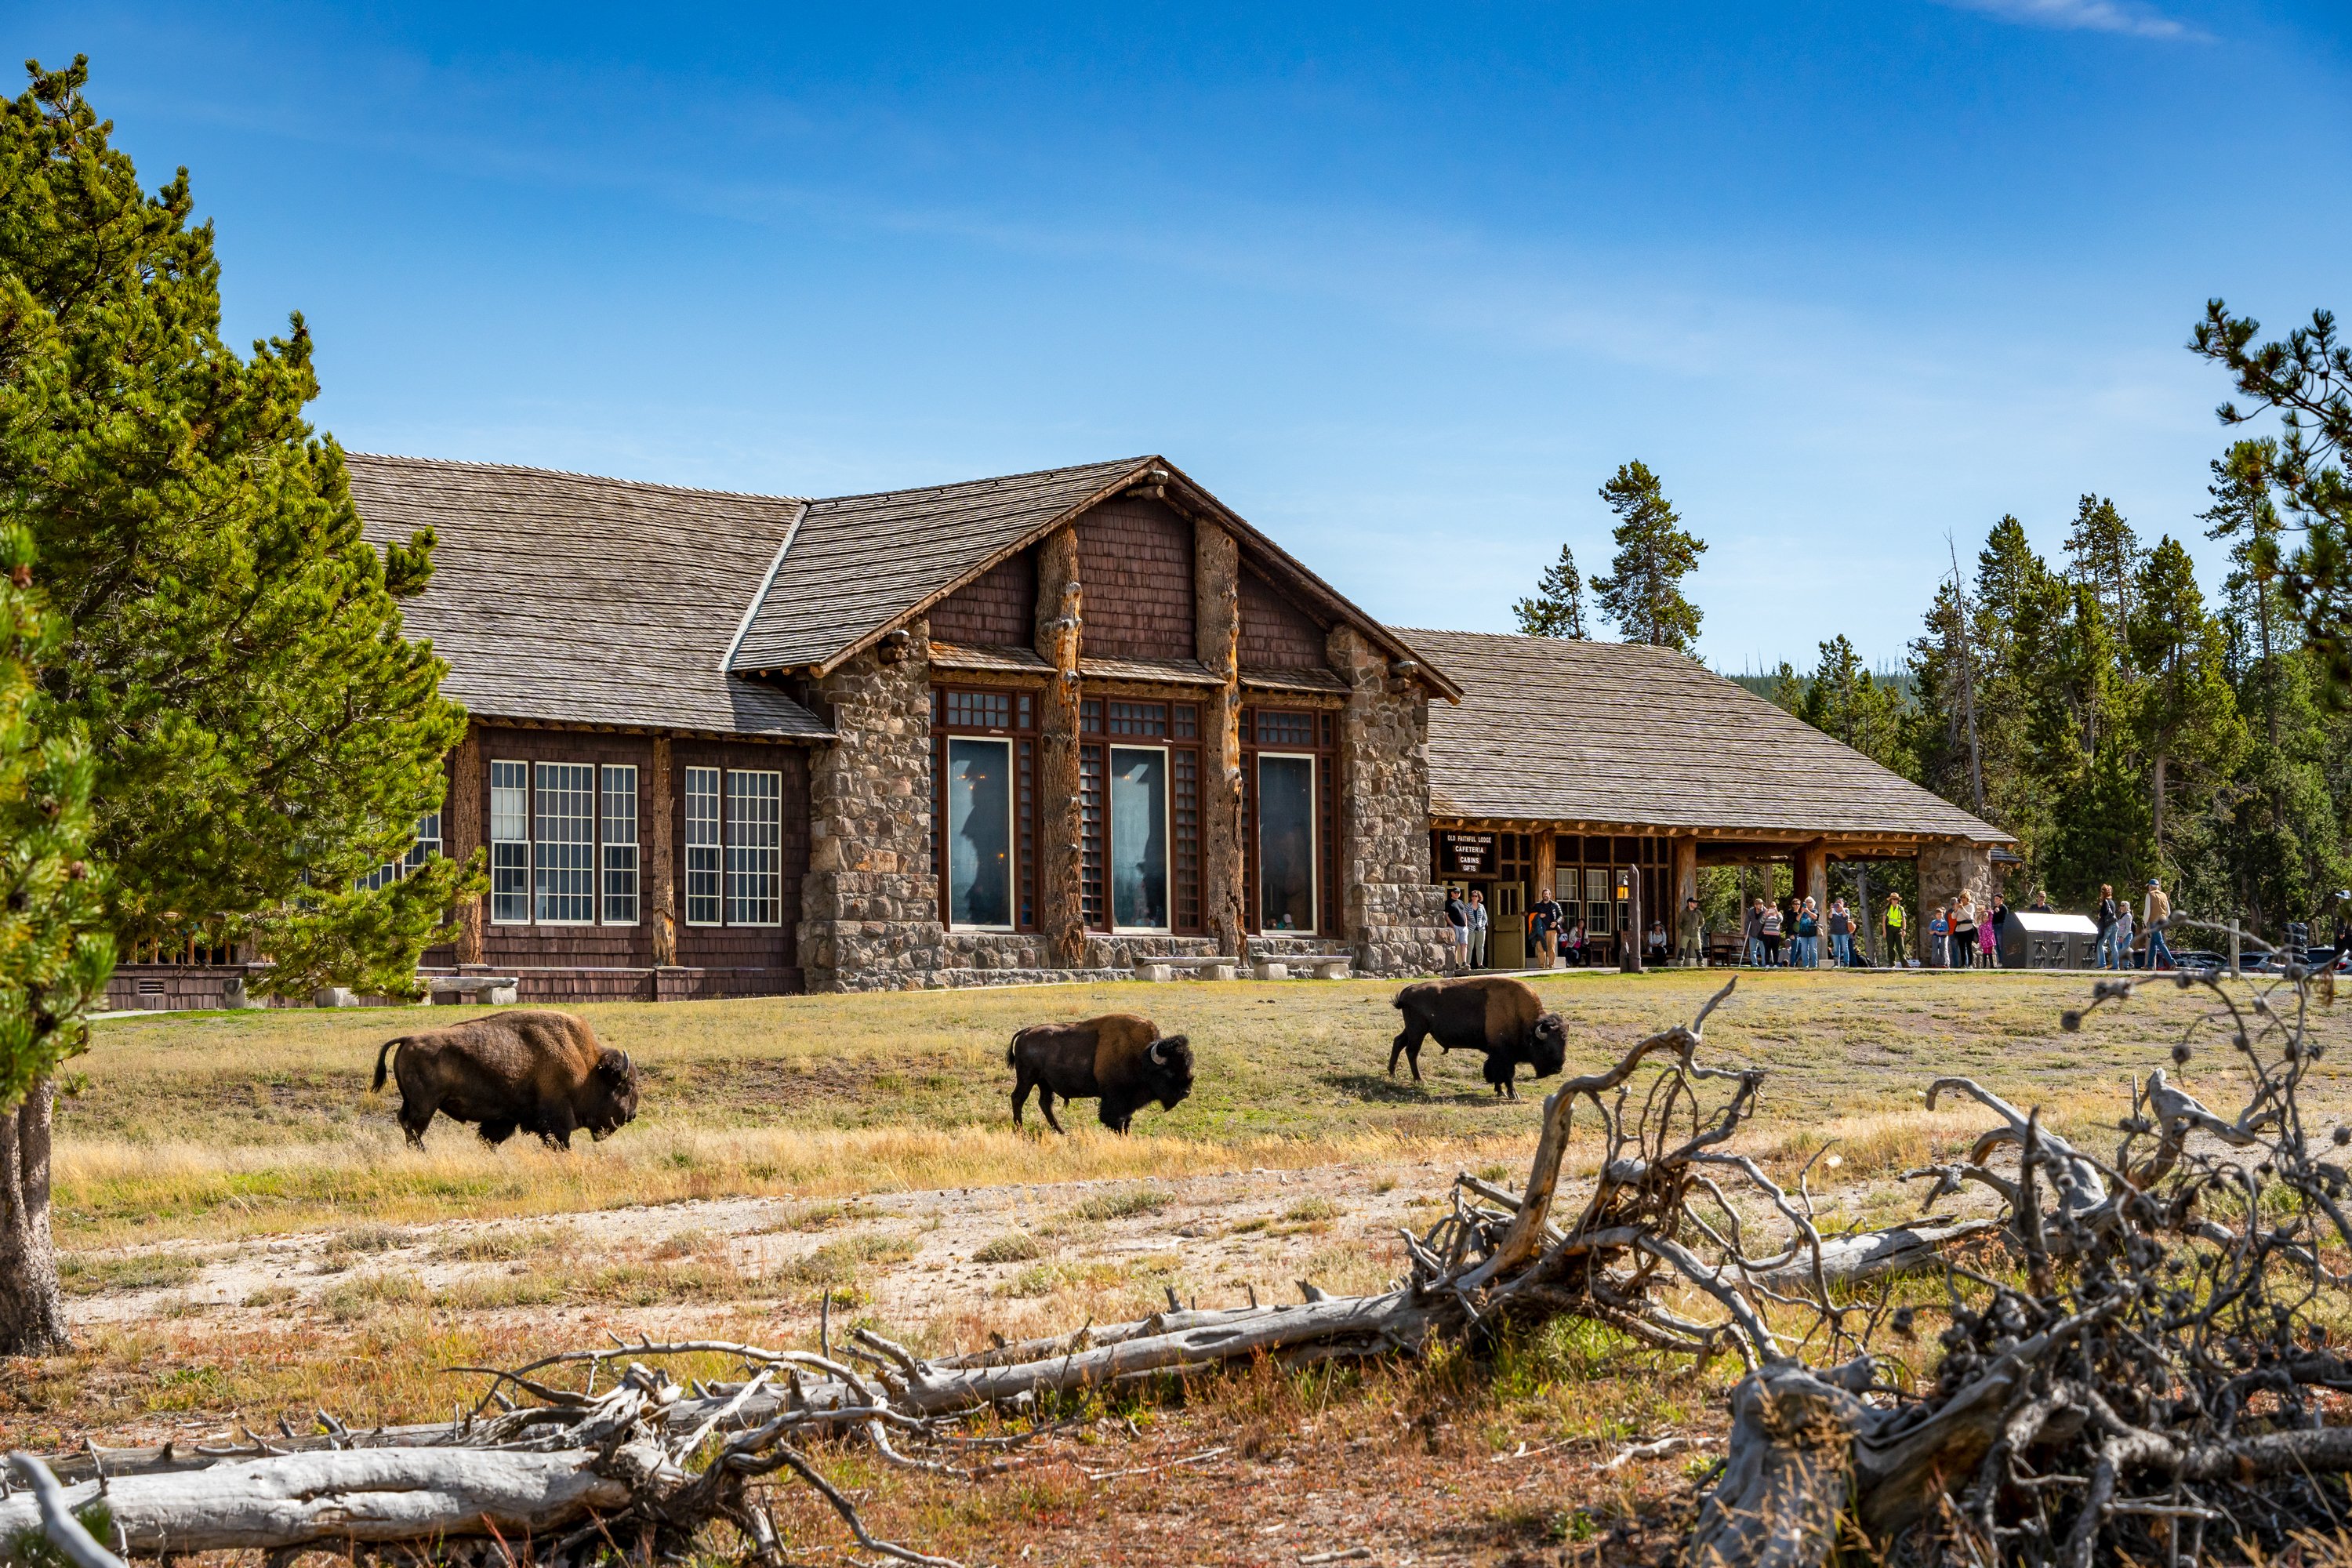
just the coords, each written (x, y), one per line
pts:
(1137, 856)
(754, 848)
(620, 843)
(563, 885)
(979, 833)
(427, 844)
(1285, 842)
(702, 847)
(510, 843)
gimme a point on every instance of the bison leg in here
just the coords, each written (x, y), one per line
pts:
(1045, 1104)
(1021, 1086)
(1408, 1046)
(413, 1125)
(556, 1131)
(496, 1132)
(1114, 1114)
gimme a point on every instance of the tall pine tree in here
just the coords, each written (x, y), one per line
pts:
(1557, 608)
(1642, 595)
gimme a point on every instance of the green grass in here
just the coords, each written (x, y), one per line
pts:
(257, 1121)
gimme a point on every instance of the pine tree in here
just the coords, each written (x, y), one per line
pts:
(2105, 556)
(263, 734)
(1643, 596)
(54, 953)
(1557, 608)
(1844, 700)
(2190, 734)
(1789, 690)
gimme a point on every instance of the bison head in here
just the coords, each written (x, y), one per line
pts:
(610, 1096)
(1168, 1069)
(1548, 1049)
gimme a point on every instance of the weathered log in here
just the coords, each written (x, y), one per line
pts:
(358, 1494)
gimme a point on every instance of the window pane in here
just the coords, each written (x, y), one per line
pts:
(1139, 838)
(702, 847)
(979, 833)
(980, 710)
(564, 876)
(510, 843)
(1285, 729)
(621, 846)
(1285, 843)
(754, 848)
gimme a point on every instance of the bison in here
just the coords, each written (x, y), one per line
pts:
(1119, 1058)
(1505, 1018)
(537, 1072)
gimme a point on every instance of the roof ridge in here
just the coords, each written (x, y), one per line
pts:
(991, 480)
(577, 474)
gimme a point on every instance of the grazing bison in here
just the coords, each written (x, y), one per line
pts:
(1505, 1018)
(1118, 1056)
(538, 1072)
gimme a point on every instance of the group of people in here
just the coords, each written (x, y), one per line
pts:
(1776, 936)
(2114, 918)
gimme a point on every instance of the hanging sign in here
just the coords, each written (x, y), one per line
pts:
(1466, 853)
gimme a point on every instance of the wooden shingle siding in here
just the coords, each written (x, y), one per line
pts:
(1553, 731)
(570, 600)
(997, 609)
(1275, 635)
(858, 562)
(1134, 565)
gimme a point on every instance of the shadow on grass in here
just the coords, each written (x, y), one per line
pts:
(1378, 1089)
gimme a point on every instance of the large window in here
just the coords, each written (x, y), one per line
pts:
(755, 873)
(1285, 842)
(702, 848)
(1138, 852)
(563, 885)
(980, 832)
(620, 845)
(510, 843)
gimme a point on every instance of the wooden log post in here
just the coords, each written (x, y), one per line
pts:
(1685, 852)
(465, 828)
(1217, 630)
(1813, 874)
(1060, 910)
(1547, 865)
(659, 818)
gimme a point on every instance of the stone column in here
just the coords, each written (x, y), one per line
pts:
(1061, 624)
(870, 903)
(1949, 869)
(1395, 915)
(1217, 632)
(464, 829)
(657, 817)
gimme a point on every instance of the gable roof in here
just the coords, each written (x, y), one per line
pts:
(859, 566)
(561, 599)
(1550, 730)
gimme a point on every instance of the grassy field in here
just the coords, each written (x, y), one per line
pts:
(237, 1124)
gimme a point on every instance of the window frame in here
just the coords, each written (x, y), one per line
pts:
(540, 869)
(1320, 724)
(730, 819)
(1019, 734)
(606, 844)
(1167, 840)
(718, 845)
(522, 889)
(947, 743)
(1315, 767)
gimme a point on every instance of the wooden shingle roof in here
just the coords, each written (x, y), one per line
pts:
(558, 598)
(858, 564)
(1553, 731)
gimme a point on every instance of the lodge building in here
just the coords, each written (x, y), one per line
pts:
(1026, 728)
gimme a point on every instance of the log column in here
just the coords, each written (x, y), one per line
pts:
(1813, 874)
(659, 816)
(465, 828)
(1547, 865)
(1217, 632)
(1685, 852)
(1061, 914)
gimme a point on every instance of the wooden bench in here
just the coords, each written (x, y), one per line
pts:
(1162, 967)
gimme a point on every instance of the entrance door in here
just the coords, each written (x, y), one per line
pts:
(1507, 942)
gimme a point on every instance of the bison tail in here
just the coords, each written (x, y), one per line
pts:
(380, 1057)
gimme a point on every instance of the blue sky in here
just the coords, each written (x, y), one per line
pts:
(1401, 286)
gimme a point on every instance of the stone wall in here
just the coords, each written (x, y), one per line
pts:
(1944, 870)
(870, 903)
(1395, 915)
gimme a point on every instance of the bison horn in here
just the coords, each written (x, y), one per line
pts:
(1158, 1053)
(627, 1065)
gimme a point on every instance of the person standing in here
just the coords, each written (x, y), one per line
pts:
(1479, 923)
(1808, 936)
(2153, 914)
(1691, 944)
(1544, 918)
(2041, 904)
(1842, 934)
(1964, 933)
(1457, 915)
(2123, 933)
(1752, 934)
(1998, 924)
(1938, 945)
(2107, 914)
(1768, 930)
(1895, 930)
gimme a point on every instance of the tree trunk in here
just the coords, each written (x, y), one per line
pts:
(1061, 902)
(32, 1316)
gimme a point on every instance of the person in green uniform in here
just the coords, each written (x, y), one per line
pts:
(1894, 927)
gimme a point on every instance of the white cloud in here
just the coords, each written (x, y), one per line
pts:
(2084, 15)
